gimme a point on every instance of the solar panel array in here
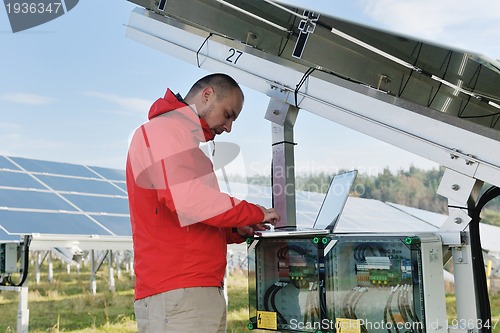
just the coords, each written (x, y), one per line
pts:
(60, 198)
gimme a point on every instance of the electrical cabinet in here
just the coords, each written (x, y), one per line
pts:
(8, 258)
(347, 283)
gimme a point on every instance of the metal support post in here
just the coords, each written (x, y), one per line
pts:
(111, 272)
(93, 283)
(23, 313)
(37, 268)
(51, 268)
(118, 258)
(283, 116)
(460, 190)
(131, 266)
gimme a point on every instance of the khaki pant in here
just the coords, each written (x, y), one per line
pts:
(187, 310)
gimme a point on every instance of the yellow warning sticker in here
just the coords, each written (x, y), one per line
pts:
(345, 325)
(267, 320)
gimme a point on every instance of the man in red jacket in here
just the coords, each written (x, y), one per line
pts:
(181, 221)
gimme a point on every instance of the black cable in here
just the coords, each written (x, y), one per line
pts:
(481, 116)
(301, 82)
(479, 272)
(273, 302)
(267, 294)
(270, 295)
(201, 46)
(402, 86)
(290, 34)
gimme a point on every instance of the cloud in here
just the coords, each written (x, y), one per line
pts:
(26, 98)
(468, 25)
(138, 105)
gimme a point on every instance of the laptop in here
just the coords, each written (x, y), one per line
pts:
(329, 212)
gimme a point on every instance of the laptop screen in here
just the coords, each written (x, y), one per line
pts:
(335, 200)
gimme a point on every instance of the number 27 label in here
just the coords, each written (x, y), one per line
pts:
(234, 56)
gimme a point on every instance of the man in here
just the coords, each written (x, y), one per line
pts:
(181, 222)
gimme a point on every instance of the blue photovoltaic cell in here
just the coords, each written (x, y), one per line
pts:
(54, 167)
(119, 225)
(80, 185)
(49, 223)
(110, 174)
(33, 200)
(6, 164)
(99, 204)
(17, 179)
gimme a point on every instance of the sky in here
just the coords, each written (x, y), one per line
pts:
(74, 89)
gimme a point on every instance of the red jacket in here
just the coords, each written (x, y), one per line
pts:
(181, 222)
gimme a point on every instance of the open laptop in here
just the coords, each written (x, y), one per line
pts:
(329, 212)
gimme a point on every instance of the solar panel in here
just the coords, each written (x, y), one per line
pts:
(45, 197)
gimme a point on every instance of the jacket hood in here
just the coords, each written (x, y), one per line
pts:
(172, 102)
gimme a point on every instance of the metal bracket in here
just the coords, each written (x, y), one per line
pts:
(452, 238)
(459, 189)
(456, 186)
(459, 256)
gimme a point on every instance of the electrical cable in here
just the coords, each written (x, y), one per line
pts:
(355, 302)
(275, 290)
(478, 270)
(391, 315)
(362, 291)
(345, 303)
(281, 49)
(409, 310)
(301, 82)
(267, 294)
(401, 305)
(386, 308)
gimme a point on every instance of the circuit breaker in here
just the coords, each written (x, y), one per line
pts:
(347, 283)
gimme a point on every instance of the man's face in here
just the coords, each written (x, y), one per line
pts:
(220, 114)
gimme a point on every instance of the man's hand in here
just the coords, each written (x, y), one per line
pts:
(271, 217)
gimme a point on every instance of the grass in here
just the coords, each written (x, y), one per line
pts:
(67, 305)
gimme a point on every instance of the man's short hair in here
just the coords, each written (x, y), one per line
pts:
(222, 84)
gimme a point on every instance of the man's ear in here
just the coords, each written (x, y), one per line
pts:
(207, 93)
